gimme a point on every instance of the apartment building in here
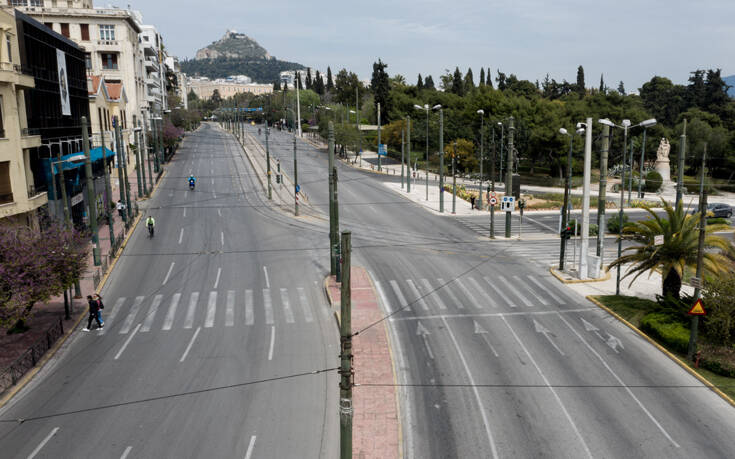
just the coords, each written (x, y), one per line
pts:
(19, 197)
(204, 88)
(154, 69)
(106, 102)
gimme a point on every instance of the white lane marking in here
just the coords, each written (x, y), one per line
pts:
(518, 293)
(386, 305)
(150, 317)
(168, 274)
(399, 295)
(193, 300)
(230, 310)
(474, 389)
(169, 320)
(222, 238)
(500, 293)
(249, 316)
(493, 314)
(539, 327)
(212, 181)
(216, 281)
(126, 452)
(452, 296)
(287, 311)
(424, 333)
(115, 309)
(467, 292)
(536, 295)
(191, 343)
(43, 443)
(184, 212)
(417, 295)
(267, 282)
(482, 291)
(551, 388)
(273, 341)
(251, 445)
(434, 294)
(214, 194)
(545, 289)
(181, 235)
(219, 212)
(131, 315)
(211, 310)
(305, 305)
(127, 341)
(483, 333)
(268, 305)
(620, 381)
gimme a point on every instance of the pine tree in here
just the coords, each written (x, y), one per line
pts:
(602, 84)
(489, 78)
(482, 77)
(380, 84)
(308, 78)
(318, 83)
(457, 84)
(330, 82)
(469, 83)
(621, 88)
(298, 80)
(580, 81)
(501, 80)
(429, 83)
(420, 83)
(277, 85)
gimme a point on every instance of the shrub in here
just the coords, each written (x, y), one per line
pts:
(661, 328)
(613, 224)
(573, 223)
(719, 299)
(718, 221)
(653, 181)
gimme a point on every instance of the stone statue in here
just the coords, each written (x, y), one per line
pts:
(662, 154)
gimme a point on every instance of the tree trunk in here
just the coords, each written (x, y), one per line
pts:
(672, 284)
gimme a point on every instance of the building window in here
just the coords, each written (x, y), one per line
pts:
(36, 3)
(85, 31)
(6, 188)
(50, 25)
(65, 29)
(2, 124)
(88, 61)
(10, 49)
(109, 61)
(107, 32)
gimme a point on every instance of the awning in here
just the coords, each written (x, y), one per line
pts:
(95, 154)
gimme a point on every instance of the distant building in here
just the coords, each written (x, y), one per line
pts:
(204, 88)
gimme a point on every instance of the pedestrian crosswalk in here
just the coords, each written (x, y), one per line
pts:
(472, 294)
(530, 228)
(211, 309)
(546, 253)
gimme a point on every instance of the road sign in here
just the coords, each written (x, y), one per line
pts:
(492, 194)
(382, 149)
(508, 204)
(493, 200)
(658, 239)
(695, 282)
(698, 309)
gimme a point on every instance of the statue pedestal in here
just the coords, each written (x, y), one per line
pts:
(663, 168)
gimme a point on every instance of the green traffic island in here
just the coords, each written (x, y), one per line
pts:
(667, 323)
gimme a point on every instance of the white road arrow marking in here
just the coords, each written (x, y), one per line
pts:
(591, 328)
(546, 332)
(423, 333)
(614, 343)
(481, 331)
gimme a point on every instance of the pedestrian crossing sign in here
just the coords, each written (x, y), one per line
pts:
(508, 204)
(698, 309)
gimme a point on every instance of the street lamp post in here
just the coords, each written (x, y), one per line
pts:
(646, 124)
(380, 163)
(502, 146)
(509, 176)
(481, 112)
(567, 190)
(441, 156)
(91, 195)
(408, 153)
(426, 109)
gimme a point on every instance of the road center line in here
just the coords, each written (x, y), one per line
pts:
(127, 341)
(126, 452)
(620, 381)
(251, 445)
(170, 268)
(273, 342)
(184, 212)
(43, 443)
(474, 389)
(216, 281)
(551, 388)
(191, 343)
(219, 212)
(222, 238)
(267, 282)
(181, 235)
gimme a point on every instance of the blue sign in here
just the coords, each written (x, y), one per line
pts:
(382, 149)
(298, 188)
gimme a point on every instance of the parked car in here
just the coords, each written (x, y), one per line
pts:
(716, 210)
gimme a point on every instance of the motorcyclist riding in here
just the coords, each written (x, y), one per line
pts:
(192, 182)
(150, 223)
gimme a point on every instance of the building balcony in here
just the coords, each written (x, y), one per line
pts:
(30, 138)
(36, 197)
(15, 74)
(151, 64)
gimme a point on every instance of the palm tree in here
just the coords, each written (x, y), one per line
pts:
(678, 254)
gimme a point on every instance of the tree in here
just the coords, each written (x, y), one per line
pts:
(429, 83)
(482, 77)
(489, 78)
(678, 254)
(469, 83)
(715, 98)
(345, 86)
(580, 87)
(216, 98)
(466, 160)
(277, 85)
(192, 96)
(380, 85)
(298, 81)
(602, 84)
(330, 82)
(308, 78)
(621, 88)
(420, 83)
(663, 99)
(457, 83)
(696, 89)
(318, 84)
(501, 80)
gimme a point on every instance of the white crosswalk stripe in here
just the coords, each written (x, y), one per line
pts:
(287, 311)
(193, 300)
(510, 286)
(466, 291)
(151, 315)
(305, 305)
(131, 315)
(169, 321)
(401, 299)
(381, 293)
(115, 310)
(500, 293)
(416, 295)
(249, 315)
(230, 309)
(532, 291)
(448, 288)
(268, 305)
(489, 300)
(211, 310)
(434, 295)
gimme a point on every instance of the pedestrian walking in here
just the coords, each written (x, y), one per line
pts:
(93, 310)
(101, 307)
(121, 208)
(472, 201)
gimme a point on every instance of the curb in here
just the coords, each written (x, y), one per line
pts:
(335, 312)
(556, 274)
(673, 357)
(60, 342)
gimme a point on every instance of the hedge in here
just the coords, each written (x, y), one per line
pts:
(653, 181)
(660, 327)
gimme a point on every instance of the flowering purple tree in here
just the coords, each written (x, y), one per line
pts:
(34, 266)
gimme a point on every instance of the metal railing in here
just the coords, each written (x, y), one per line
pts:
(13, 372)
(34, 191)
(26, 132)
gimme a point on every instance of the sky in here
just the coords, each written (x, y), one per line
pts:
(625, 40)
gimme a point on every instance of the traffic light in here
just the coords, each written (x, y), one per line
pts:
(566, 233)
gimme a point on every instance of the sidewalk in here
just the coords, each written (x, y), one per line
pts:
(375, 424)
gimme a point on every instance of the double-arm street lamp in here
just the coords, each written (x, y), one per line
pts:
(502, 145)
(565, 210)
(645, 124)
(481, 112)
(441, 155)
(426, 109)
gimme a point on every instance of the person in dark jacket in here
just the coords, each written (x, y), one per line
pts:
(94, 308)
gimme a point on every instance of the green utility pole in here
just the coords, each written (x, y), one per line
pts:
(295, 180)
(109, 210)
(160, 141)
(403, 148)
(333, 224)
(492, 188)
(91, 195)
(620, 214)
(643, 158)
(602, 199)
(680, 171)
(694, 329)
(567, 189)
(454, 180)
(120, 180)
(154, 135)
(142, 147)
(268, 160)
(380, 162)
(509, 175)
(137, 162)
(482, 144)
(441, 160)
(408, 152)
(427, 153)
(346, 378)
(124, 183)
(502, 147)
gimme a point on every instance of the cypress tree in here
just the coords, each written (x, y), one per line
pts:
(330, 81)
(420, 83)
(482, 77)
(429, 83)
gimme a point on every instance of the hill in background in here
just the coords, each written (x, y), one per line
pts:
(730, 81)
(237, 54)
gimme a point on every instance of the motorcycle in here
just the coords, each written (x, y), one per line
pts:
(192, 184)
(150, 231)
